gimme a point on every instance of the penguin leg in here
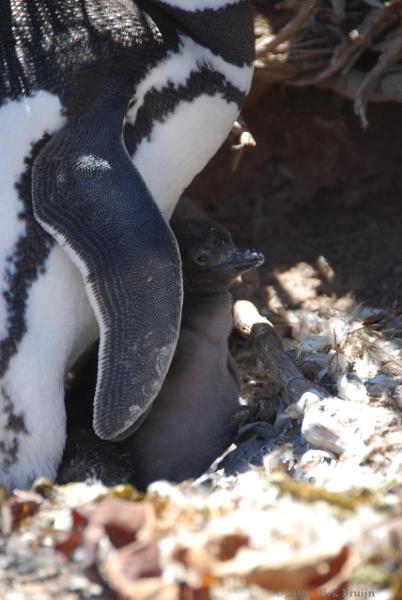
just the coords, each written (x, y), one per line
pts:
(88, 195)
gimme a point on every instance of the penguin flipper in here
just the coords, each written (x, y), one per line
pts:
(233, 370)
(88, 195)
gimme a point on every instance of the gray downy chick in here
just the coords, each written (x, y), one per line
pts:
(189, 425)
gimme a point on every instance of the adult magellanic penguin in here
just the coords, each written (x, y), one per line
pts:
(85, 248)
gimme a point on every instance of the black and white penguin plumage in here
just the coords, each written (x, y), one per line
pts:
(85, 248)
(190, 422)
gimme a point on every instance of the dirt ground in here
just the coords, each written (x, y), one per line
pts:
(316, 185)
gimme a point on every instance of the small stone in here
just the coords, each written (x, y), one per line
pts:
(350, 387)
(344, 426)
(79, 583)
(280, 459)
(315, 465)
(296, 409)
(311, 458)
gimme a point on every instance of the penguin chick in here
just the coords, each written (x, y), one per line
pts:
(189, 424)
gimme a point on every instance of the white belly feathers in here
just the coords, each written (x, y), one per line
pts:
(181, 142)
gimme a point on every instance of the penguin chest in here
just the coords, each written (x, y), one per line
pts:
(181, 113)
(45, 317)
(33, 269)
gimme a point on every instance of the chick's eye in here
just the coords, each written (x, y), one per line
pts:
(201, 259)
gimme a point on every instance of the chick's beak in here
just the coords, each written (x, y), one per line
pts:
(243, 260)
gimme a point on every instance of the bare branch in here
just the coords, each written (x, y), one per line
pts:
(268, 44)
(243, 139)
(324, 50)
(389, 57)
(339, 8)
(270, 349)
(389, 89)
(351, 48)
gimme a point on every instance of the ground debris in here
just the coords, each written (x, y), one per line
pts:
(215, 536)
(345, 426)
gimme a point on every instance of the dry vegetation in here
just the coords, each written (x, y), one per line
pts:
(353, 47)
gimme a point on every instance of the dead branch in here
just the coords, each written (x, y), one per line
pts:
(268, 44)
(242, 139)
(249, 322)
(322, 45)
(355, 44)
(388, 89)
(339, 8)
(387, 59)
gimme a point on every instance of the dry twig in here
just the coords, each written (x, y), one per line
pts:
(388, 58)
(244, 139)
(270, 43)
(354, 45)
(324, 45)
(249, 322)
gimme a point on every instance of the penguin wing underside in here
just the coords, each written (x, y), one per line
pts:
(88, 195)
